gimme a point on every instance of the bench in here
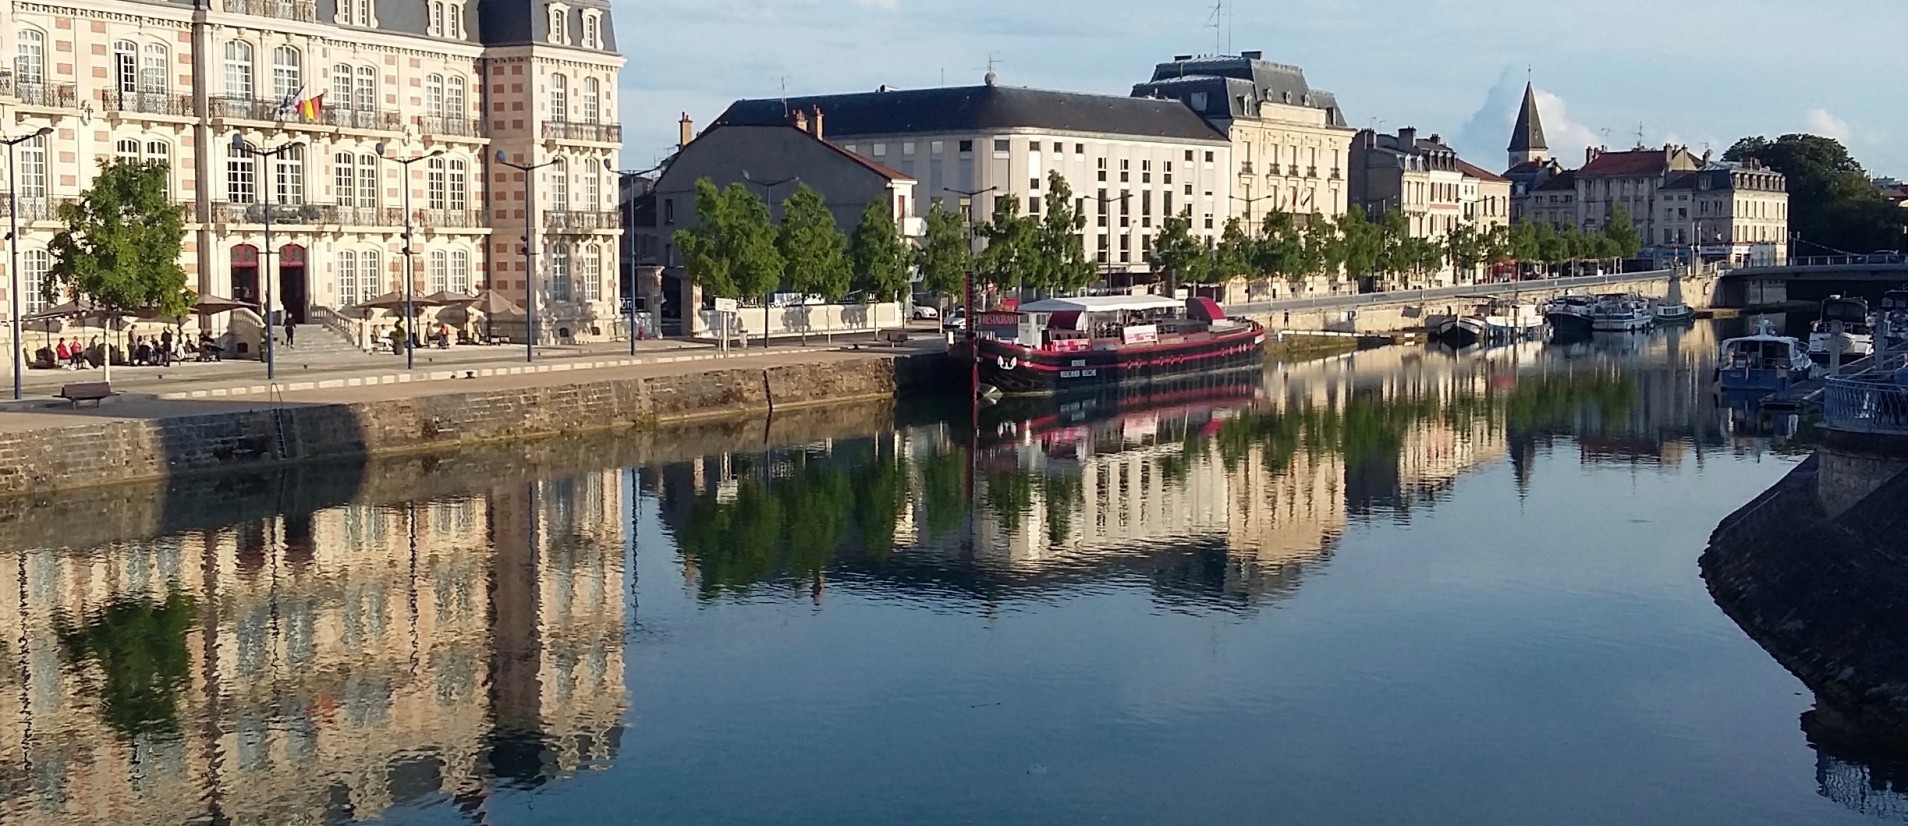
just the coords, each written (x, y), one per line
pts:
(895, 337)
(95, 392)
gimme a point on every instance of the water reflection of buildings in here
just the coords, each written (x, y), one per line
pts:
(315, 667)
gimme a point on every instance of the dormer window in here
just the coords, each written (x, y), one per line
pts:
(592, 29)
(446, 19)
(559, 24)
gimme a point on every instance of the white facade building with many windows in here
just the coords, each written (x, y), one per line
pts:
(334, 81)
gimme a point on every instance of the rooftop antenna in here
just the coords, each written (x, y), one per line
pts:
(1217, 22)
(992, 61)
(785, 97)
(1606, 136)
(1639, 134)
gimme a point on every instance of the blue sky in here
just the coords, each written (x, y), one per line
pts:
(1687, 71)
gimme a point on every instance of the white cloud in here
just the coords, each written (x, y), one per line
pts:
(1820, 122)
(1483, 138)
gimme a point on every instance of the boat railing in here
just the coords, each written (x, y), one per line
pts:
(1865, 405)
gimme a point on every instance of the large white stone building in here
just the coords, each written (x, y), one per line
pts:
(467, 79)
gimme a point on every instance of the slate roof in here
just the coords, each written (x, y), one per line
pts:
(957, 109)
(1232, 75)
(1528, 134)
(1632, 163)
(1565, 180)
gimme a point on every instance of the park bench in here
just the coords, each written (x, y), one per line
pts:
(895, 337)
(92, 391)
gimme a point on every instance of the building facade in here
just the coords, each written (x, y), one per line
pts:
(1129, 161)
(347, 87)
(1727, 212)
(1424, 180)
(1289, 141)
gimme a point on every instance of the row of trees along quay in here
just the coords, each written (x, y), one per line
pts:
(738, 251)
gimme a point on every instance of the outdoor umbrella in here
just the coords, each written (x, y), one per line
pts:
(491, 302)
(83, 312)
(213, 305)
(395, 301)
(446, 298)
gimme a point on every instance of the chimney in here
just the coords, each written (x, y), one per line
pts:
(1437, 138)
(1253, 55)
(1181, 58)
(1590, 153)
(816, 122)
(801, 120)
(1407, 138)
(686, 131)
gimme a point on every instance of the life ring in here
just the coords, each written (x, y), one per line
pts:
(1007, 362)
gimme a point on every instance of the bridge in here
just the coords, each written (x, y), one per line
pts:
(1404, 310)
(1756, 286)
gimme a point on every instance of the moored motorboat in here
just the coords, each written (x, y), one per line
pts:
(1673, 313)
(1065, 344)
(1763, 362)
(1845, 330)
(1569, 315)
(1620, 314)
(1490, 321)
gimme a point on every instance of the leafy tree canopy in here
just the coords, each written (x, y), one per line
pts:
(879, 256)
(120, 247)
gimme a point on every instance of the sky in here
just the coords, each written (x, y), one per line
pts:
(1694, 72)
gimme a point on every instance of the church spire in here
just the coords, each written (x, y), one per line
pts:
(1527, 137)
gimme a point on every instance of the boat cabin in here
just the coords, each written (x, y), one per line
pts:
(1105, 322)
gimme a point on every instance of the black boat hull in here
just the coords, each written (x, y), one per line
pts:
(1568, 324)
(1016, 370)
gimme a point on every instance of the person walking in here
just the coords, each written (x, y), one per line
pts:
(165, 347)
(289, 328)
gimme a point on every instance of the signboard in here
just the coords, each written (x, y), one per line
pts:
(1072, 345)
(727, 305)
(999, 320)
(1140, 334)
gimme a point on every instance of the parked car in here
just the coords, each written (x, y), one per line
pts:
(926, 312)
(956, 320)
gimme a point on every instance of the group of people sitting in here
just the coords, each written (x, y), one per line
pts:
(147, 351)
(440, 335)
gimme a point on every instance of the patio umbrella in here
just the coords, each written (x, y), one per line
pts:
(395, 301)
(213, 305)
(491, 302)
(446, 298)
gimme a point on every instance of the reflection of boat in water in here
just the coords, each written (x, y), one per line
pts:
(1062, 345)
(1763, 362)
(1196, 399)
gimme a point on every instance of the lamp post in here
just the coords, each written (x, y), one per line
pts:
(1106, 266)
(629, 224)
(410, 267)
(968, 203)
(529, 246)
(768, 197)
(265, 305)
(13, 248)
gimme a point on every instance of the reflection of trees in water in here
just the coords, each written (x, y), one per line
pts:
(140, 648)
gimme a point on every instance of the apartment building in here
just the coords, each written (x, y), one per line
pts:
(1729, 212)
(1424, 180)
(339, 91)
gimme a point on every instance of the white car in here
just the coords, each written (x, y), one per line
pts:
(956, 320)
(925, 312)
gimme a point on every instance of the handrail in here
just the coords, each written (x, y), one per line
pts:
(1348, 300)
(1865, 405)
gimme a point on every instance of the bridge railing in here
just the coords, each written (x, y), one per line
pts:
(1848, 260)
(1865, 405)
(1354, 300)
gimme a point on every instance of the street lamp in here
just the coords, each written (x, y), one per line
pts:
(768, 197)
(968, 203)
(529, 244)
(1106, 266)
(629, 224)
(265, 305)
(13, 247)
(410, 267)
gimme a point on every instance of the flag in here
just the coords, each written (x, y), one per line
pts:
(310, 107)
(289, 103)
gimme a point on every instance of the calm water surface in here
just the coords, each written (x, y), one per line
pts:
(1401, 586)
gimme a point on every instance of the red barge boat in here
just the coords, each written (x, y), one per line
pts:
(1059, 345)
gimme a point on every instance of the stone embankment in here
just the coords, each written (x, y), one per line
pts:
(1405, 310)
(1815, 570)
(98, 451)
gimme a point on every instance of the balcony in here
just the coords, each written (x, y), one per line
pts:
(1335, 174)
(450, 218)
(145, 103)
(34, 208)
(304, 11)
(570, 221)
(244, 108)
(49, 95)
(350, 118)
(1245, 167)
(363, 216)
(305, 215)
(1291, 171)
(593, 132)
(437, 126)
(1311, 172)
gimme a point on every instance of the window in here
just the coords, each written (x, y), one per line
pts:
(592, 30)
(592, 97)
(559, 272)
(437, 271)
(152, 69)
(965, 146)
(454, 21)
(559, 98)
(669, 211)
(459, 185)
(460, 271)
(289, 176)
(29, 58)
(126, 66)
(434, 94)
(436, 27)
(435, 184)
(367, 89)
(126, 149)
(1102, 169)
(347, 278)
(34, 265)
(559, 24)
(341, 88)
(286, 78)
(1000, 144)
(560, 189)
(370, 274)
(935, 148)
(454, 103)
(1125, 175)
(32, 159)
(241, 184)
(238, 69)
(592, 187)
(367, 180)
(358, 12)
(591, 273)
(344, 178)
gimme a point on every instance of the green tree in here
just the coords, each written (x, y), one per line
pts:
(1392, 234)
(731, 252)
(879, 256)
(944, 255)
(814, 253)
(1831, 202)
(1363, 243)
(1524, 243)
(1279, 249)
(1059, 251)
(1624, 242)
(120, 247)
(1232, 256)
(1466, 249)
(1322, 247)
(1177, 255)
(1011, 245)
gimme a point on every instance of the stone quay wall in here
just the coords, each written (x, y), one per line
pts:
(1826, 594)
(1405, 311)
(116, 451)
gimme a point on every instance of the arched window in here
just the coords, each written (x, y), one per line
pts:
(126, 149)
(32, 159)
(370, 275)
(289, 177)
(560, 187)
(367, 89)
(592, 98)
(592, 187)
(455, 104)
(590, 273)
(347, 279)
(559, 98)
(559, 272)
(434, 91)
(125, 66)
(437, 271)
(287, 77)
(436, 28)
(152, 69)
(241, 177)
(367, 180)
(238, 69)
(341, 88)
(460, 271)
(459, 184)
(33, 267)
(159, 153)
(436, 190)
(29, 58)
(344, 178)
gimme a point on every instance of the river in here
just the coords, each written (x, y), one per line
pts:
(1395, 586)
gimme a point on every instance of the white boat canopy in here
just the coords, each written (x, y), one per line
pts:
(1101, 304)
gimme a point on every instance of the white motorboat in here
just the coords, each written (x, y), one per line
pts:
(1491, 321)
(1853, 342)
(1763, 362)
(1673, 313)
(1620, 314)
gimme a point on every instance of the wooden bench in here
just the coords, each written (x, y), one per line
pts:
(895, 337)
(94, 391)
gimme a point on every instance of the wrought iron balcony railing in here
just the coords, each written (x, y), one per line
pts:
(304, 11)
(594, 132)
(303, 214)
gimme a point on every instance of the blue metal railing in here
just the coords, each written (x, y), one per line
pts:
(1865, 405)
